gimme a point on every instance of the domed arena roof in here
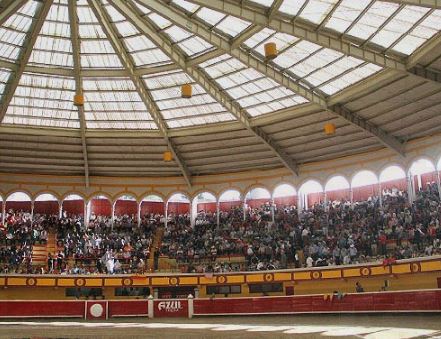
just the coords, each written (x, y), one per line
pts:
(371, 69)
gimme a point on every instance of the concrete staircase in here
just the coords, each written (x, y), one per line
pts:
(157, 240)
(40, 251)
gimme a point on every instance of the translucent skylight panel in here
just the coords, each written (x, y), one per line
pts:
(150, 57)
(115, 15)
(209, 108)
(138, 43)
(86, 15)
(266, 3)
(346, 13)
(58, 29)
(114, 99)
(18, 22)
(350, 78)
(373, 19)
(273, 106)
(167, 79)
(210, 119)
(281, 40)
(316, 10)
(50, 51)
(184, 102)
(400, 24)
(232, 25)
(126, 29)
(177, 34)
(188, 6)
(159, 20)
(43, 100)
(58, 13)
(420, 34)
(106, 59)
(194, 45)
(238, 78)
(4, 76)
(211, 16)
(91, 32)
(291, 7)
(333, 70)
(220, 66)
(10, 43)
(317, 60)
(297, 53)
(259, 37)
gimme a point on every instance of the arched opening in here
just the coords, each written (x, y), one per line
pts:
(230, 206)
(178, 204)
(337, 189)
(423, 174)
(393, 180)
(285, 195)
(152, 205)
(257, 197)
(364, 186)
(99, 209)
(46, 203)
(230, 200)
(204, 208)
(19, 202)
(72, 205)
(126, 205)
(310, 194)
(125, 211)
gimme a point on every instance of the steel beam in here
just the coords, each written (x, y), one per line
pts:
(266, 69)
(135, 17)
(112, 34)
(23, 58)
(76, 48)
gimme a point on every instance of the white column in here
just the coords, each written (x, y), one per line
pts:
(438, 184)
(410, 194)
(3, 212)
(272, 211)
(32, 212)
(139, 213)
(193, 211)
(87, 208)
(299, 201)
(245, 208)
(218, 213)
(150, 306)
(190, 306)
(380, 194)
(60, 209)
(166, 213)
(113, 212)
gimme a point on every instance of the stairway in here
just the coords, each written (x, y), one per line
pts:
(157, 240)
(41, 251)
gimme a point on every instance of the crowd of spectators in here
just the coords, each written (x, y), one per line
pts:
(269, 237)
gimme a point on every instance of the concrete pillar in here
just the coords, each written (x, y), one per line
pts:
(380, 194)
(150, 307)
(190, 306)
(32, 212)
(138, 211)
(60, 209)
(113, 213)
(272, 211)
(438, 184)
(218, 214)
(3, 212)
(193, 211)
(155, 293)
(166, 213)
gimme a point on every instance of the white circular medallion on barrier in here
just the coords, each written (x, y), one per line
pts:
(96, 310)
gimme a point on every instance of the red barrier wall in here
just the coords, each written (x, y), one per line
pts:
(400, 184)
(127, 308)
(128, 207)
(148, 207)
(226, 206)
(338, 195)
(170, 308)
(286, 201)
(178, 207)
(257, 203)
(361, 302)
(207, 207)
(364, 192)
(46, 207)
(23, 309)
(101, 207)
(25, 206)
(75, 207)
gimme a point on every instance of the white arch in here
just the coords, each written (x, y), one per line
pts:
(179, 197)
(421, 166)
(393, 172)
(258, 193)
(230, 195)
(311, 186)
(46, 197)
(73, 197)
(18, 196)
(284, 190)
(204, 197)
(152, 197)
(337, 182)
(125, 197)
(364, 178)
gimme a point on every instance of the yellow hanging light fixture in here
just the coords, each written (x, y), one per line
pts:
(329, 128)
(186, 91)
(79, 100)
(270, 51)
(167, 156)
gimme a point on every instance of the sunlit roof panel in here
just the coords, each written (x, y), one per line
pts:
(188, 6)
(193, 121)
(346, 13)
(43, 100)
(316, 10)
(51, 52)
(291, 7)
(114, 100)
(333, 70)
